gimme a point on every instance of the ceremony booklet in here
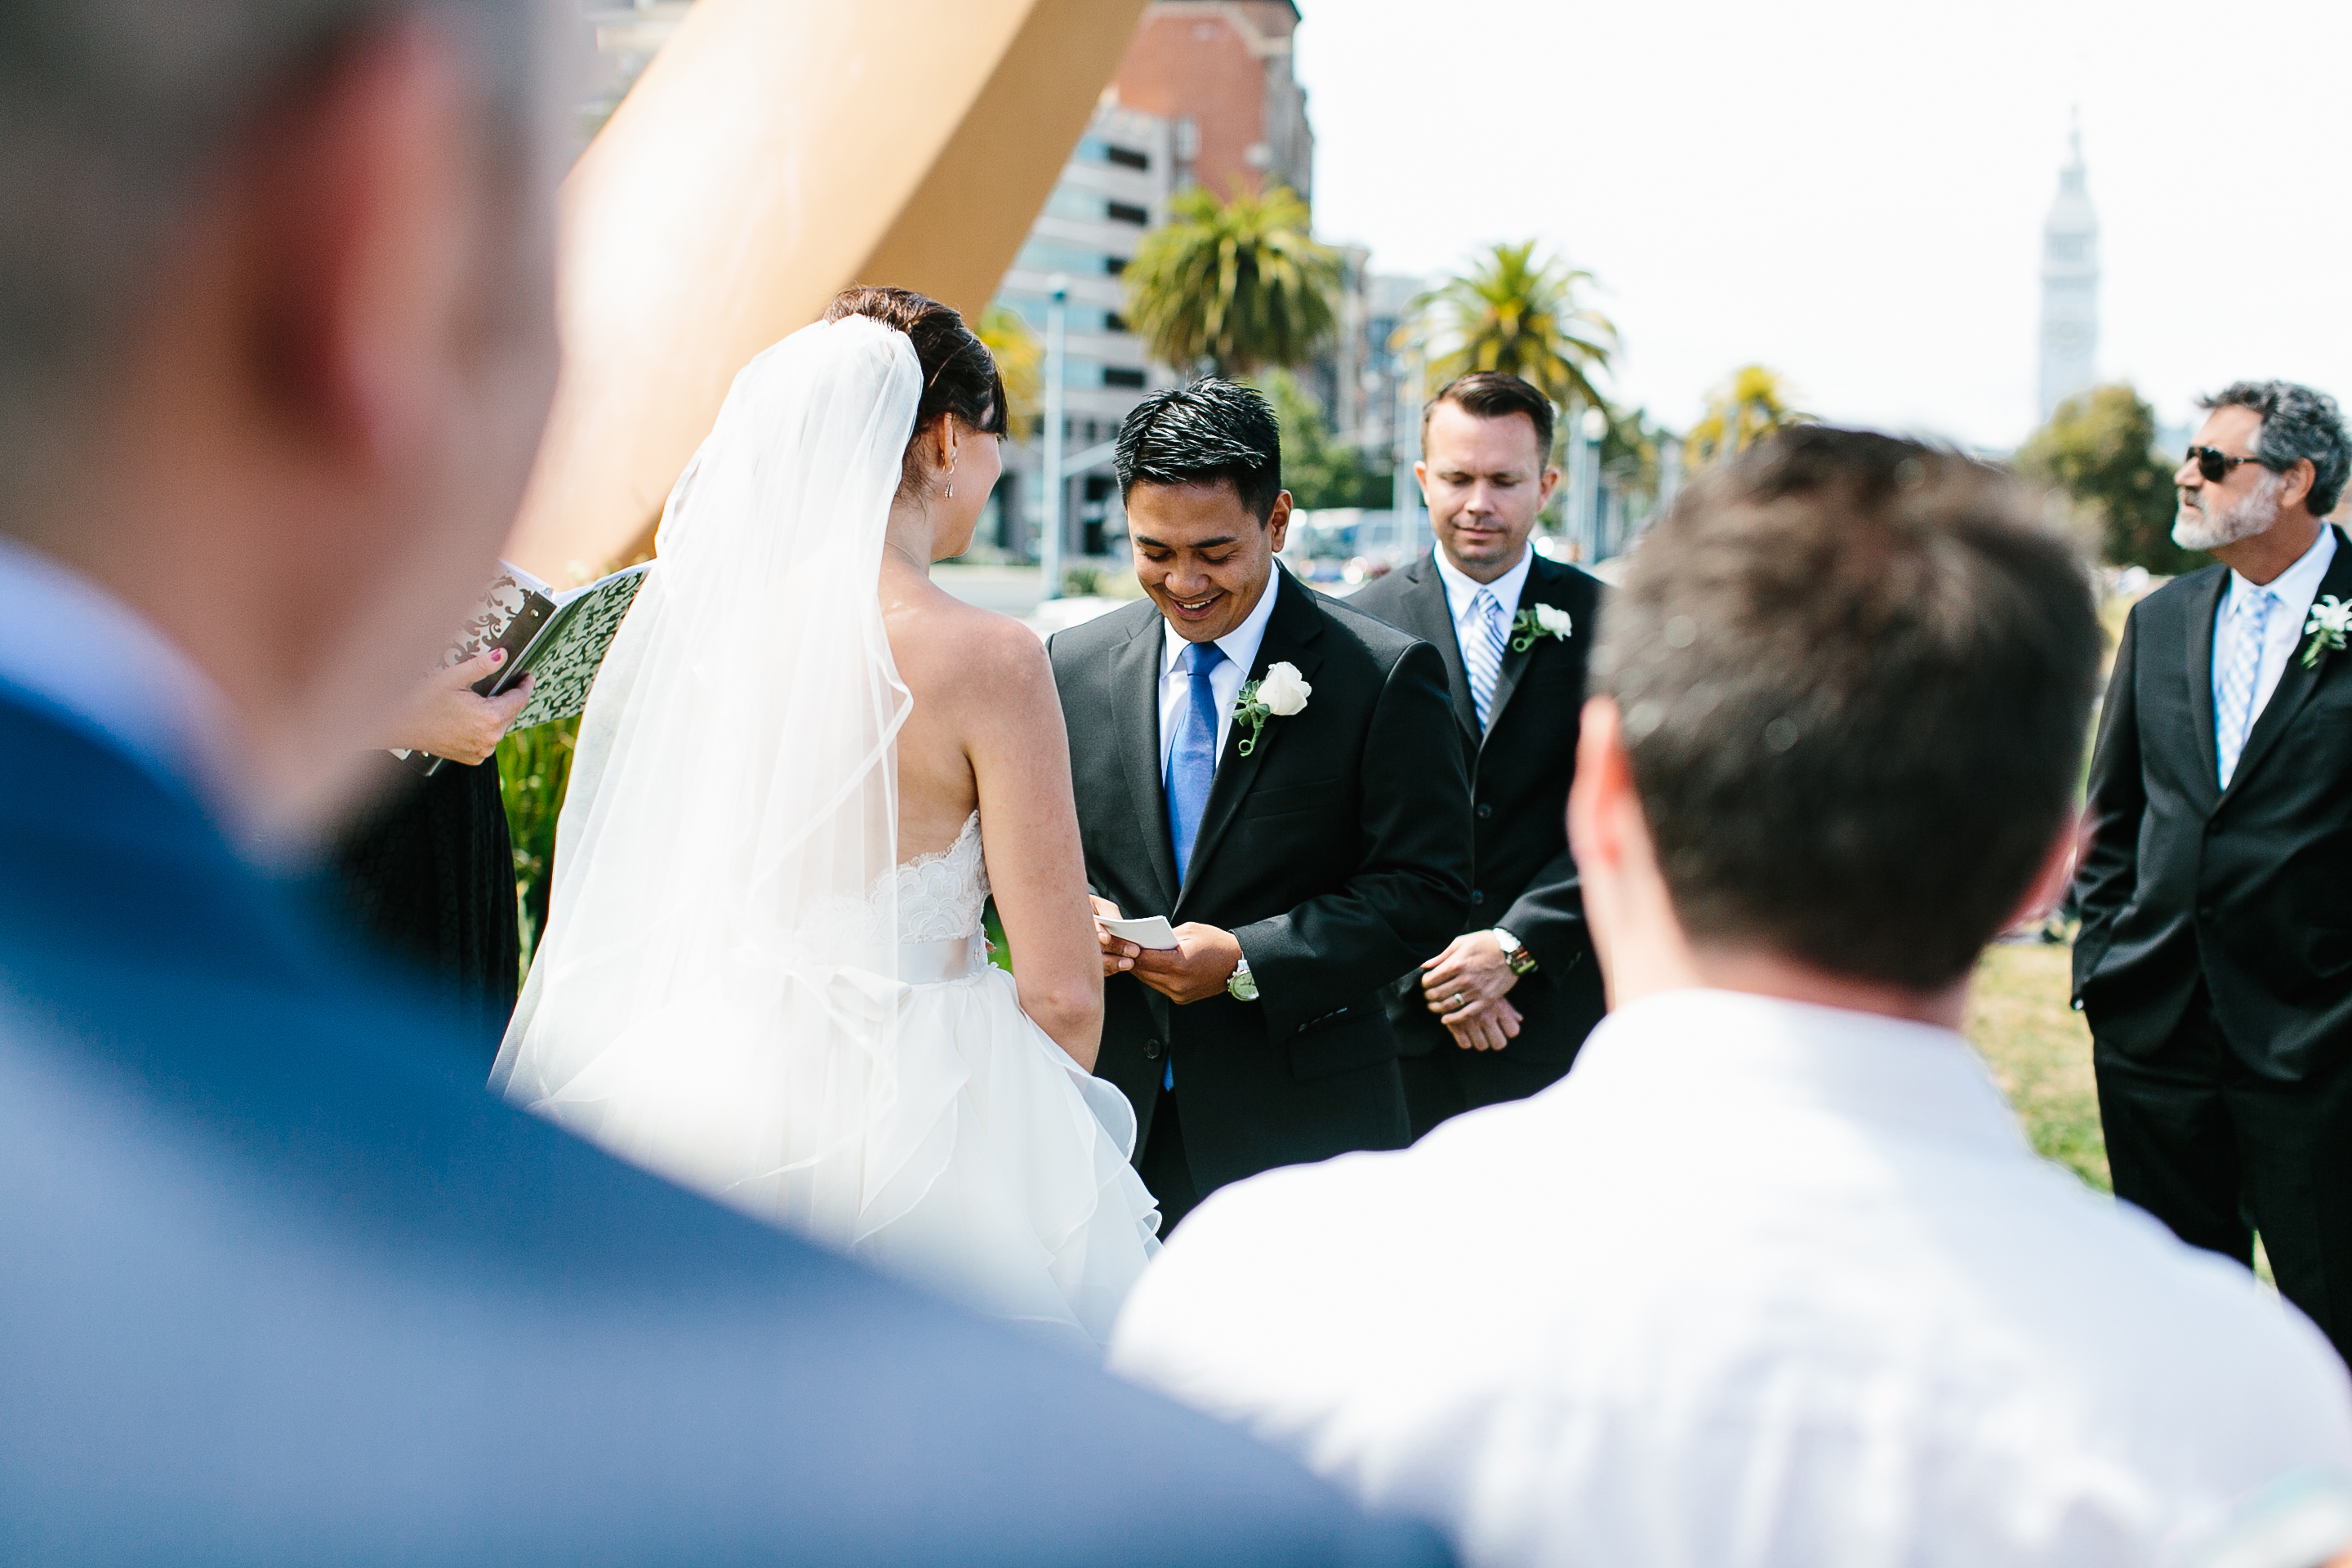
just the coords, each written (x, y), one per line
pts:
(558, 634)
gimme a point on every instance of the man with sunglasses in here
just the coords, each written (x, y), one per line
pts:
(2215, 958)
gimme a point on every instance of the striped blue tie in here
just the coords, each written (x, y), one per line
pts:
(2233, 686)
(1482, 652)
(1193, 760)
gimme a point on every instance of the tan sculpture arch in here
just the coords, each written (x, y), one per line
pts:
(775, 151)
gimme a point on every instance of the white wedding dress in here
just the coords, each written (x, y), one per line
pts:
(739, 986)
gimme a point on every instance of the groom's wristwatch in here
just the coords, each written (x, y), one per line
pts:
(1515, 952)
(1242, 986)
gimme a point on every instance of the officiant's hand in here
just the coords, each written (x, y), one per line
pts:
(1118, 956)
(1195, 969)
(444, 716)
(1469, 976)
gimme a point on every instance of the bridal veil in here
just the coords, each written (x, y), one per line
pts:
(723, 877)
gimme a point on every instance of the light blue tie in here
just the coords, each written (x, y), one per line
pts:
(1193, 760)
(2233, 685)
(1482, 652)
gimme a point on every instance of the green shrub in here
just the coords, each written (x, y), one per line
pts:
(534, 768)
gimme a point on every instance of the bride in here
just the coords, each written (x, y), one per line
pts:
(763, 974)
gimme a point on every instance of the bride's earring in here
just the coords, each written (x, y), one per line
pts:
(950, 481)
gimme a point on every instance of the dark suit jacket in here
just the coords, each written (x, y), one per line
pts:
(2245, 888)
(1338, 852)
(1524, 879)
(280, 1283)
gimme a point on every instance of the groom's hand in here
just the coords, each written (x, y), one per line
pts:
(1118, 956)
(1195, 969)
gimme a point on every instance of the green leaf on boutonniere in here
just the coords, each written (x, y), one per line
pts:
(2331, 618)
(1282, 693)
(1543, 621)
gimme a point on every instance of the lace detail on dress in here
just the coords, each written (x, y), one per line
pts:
(941, 895)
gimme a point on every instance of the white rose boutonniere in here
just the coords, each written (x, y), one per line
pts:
(2331, 619)
(1283, 692)
(1543, 621)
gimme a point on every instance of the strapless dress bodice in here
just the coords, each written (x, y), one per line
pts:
(940, 896)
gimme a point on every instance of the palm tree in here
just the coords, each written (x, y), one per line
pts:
(1020, 359)
(1752, 405)
(1231, 287)
(1517, 313)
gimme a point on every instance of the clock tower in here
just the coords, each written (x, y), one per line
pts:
(2070, 287)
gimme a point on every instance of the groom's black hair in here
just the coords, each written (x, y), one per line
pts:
(1204, 434)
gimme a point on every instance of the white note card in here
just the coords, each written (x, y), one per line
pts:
(1152, 930)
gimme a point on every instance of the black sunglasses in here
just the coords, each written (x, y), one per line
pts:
(2214, 463)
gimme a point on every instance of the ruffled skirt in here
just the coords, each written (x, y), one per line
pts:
(929, 1130)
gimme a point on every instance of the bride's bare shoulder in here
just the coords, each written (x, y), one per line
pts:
(976, 656)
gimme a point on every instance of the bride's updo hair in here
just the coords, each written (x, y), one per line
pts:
(959, 376)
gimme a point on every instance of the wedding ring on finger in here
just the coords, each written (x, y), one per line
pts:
(1455, 1000)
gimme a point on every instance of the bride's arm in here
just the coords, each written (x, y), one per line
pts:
(1021, 758)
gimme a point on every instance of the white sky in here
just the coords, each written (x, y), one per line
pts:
(1853, 193)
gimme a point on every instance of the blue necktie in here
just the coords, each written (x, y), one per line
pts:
(1482, 652)
(2233, 687)
(1193, 760)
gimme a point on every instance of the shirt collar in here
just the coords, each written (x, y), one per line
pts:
(1461, 589)
(1738, 1048)
(2296, 587)
(77, 648)
(1240, 645)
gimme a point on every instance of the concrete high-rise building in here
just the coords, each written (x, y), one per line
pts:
(1204, 96)
(1115, 187)
(629, 33)
(2070, 287)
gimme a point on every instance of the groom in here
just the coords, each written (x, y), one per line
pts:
(1307, 846)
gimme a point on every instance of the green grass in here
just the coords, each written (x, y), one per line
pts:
(2040, 1052)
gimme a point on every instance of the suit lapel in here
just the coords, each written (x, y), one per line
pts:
(1135, 731)
(2199, 642)
(1542, 587)
(1432, 622)
(2296, 683)
(1290, 631)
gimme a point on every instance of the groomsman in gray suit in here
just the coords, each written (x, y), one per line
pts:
(1500, 1012)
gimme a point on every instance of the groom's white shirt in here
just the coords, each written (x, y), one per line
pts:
(1240, 646)
(1757, 1283)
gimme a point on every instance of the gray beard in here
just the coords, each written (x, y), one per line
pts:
(2251, 516)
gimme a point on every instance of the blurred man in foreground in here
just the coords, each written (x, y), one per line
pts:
(1771, 1278)
(281, 1284)
(2215, 959)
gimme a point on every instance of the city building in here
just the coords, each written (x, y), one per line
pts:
(1220, 71)
(629, 33)
(2070, 288)
(1115, 187)
(1204, 96)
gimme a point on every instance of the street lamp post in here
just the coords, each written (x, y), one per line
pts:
(1057, 335)
(1592, 426)
(1407, 491)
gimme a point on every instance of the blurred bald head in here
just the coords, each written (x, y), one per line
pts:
(276, 334)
